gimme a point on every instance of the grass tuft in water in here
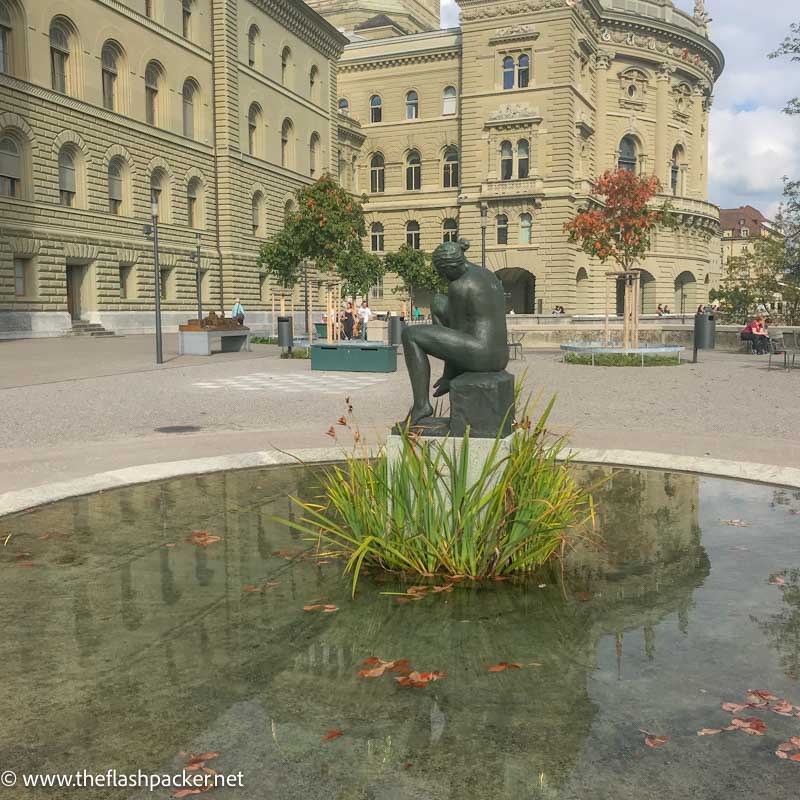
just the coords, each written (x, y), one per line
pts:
(424, 512)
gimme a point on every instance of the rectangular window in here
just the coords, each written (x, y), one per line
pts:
(108, 89)
(164, 278)
(187, 23)
(9, 187)
(126, 282)
(58, 66)
(22, 280)
(150, 101)
(192, 211)
(4, 59)
(377, 290)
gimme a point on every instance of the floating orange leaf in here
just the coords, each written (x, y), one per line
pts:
(750, 725)
(419, 680)
(651, 740)
(503, 666)
(733, 708)
(327, 608)
(331, 432)
(342, 421)
(250, 588)
(778, 580)
(335, 733)
(198, 761)
(378, 666)
(709, 731)
(202, 538)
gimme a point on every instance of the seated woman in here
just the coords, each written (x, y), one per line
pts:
(756, 333)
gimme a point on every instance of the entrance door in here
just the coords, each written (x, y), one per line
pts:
(74, 286)
(519, 287)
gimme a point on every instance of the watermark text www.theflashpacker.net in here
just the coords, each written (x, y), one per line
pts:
(114, 779)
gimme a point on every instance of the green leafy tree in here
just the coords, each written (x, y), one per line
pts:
(326, 228)
(790, 46)
(416, 271)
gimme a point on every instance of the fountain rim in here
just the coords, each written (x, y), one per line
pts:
(31, 498)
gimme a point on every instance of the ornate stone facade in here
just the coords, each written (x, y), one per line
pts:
(535, 98)
(223, 108)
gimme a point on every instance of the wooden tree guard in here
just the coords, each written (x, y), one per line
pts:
(631, 306)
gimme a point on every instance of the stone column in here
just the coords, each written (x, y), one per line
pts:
(662, 171)
(696, 161)
(603, 60)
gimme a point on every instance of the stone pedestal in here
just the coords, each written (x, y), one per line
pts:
(479, 452)
(484, 402)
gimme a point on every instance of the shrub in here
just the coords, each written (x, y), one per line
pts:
(421, 513)
(620, 360)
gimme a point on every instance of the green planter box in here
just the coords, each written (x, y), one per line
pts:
(364, 357)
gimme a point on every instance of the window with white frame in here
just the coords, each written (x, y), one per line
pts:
(10, 167)
(449, 101)
(413, 235)
(377, 237)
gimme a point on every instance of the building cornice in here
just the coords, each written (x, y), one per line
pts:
(305, 23)
(408, 58)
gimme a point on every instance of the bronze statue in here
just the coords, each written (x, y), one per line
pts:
(468, 331)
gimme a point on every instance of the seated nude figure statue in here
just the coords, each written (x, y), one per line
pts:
(468, 331)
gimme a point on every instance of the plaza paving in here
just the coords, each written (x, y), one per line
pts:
(75, 407)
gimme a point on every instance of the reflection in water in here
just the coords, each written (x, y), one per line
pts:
(783, 629)
(196, 663)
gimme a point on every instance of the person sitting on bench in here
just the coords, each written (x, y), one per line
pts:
(756, 333)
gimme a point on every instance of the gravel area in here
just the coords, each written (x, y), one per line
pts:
(77, 406)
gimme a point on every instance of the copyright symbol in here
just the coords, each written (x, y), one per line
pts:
(8, 778)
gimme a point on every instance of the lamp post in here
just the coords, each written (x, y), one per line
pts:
(198, 276)
(157, 277)
(484, 224)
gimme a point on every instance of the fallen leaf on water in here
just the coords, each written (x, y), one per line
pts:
(778, 580)
(407, 599)
(171, 544)
(733, 708)
(795, 757)
(735, 523)
(781, 754)
(651, 740)
(500, 578)
(250, 588)
(327, 608)
(187, 792)
(197, 761)
(20, 556)
(379, 666)
(783, 707)
(419, 680)
(750, 725)
(503, 666)
(447, 587)
(335, 733)
(202, 538)
(583, 596)
(27, 564)
(331, 432)
(709, 731)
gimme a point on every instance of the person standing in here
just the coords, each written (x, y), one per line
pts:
(348, 322)
(237, 312)
(364, 316)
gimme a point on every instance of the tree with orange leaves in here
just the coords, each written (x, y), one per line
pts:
(618, 227)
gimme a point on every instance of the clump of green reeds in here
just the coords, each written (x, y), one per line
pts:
(425, 511)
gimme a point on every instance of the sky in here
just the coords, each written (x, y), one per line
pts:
(752, 144)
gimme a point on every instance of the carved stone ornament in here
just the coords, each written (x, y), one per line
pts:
(516, 32)
(511, 112)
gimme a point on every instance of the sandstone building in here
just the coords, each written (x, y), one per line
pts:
(217, 110)
(741, 227)
(513, 113)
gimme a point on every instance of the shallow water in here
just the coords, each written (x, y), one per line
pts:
(124, 646)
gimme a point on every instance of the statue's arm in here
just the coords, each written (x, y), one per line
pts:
(440, 310)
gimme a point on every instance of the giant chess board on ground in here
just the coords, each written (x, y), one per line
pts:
(320, 383)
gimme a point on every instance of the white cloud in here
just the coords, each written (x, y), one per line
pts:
(752, 144)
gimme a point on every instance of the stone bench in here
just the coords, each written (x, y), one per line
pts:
(198, 343)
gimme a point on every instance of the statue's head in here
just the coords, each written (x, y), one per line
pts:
(449, 259)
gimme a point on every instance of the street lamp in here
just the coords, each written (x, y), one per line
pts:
(198, 275)
(157, 277)
(484, 224)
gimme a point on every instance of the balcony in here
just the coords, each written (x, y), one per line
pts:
(526, 187)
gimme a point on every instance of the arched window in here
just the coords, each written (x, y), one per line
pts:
(153, 78)
(258, 214)
(375, 108)
(449, 101)
(286, 56)
(412, 105)
(627, 154)
(253, 45)
(413, 171)
(10, 168)
(678, 159)
(116, 198)
(109, 58)
(314, 155)
(194, 203)
(354, 173)
(377, 174)
(506, 161)
(149, 9)
(187, 18)
(525, 228)
(344, 105)
(508, 72)
(523, 71)
(450, 231)
(190, 109)
(59, 56)
(5, 40)
(159, 194)
(254, 127)
(502, 229)
(287, 144)
(376, 236)
(450, 177)
(67, 182)
(523, 158)
(313, 84)
(413, 238)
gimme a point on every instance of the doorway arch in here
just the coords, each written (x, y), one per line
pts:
(519, 287)
(685, 293)
(649, 297)
(582, 292)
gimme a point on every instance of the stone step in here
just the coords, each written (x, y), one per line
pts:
(84, 328)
